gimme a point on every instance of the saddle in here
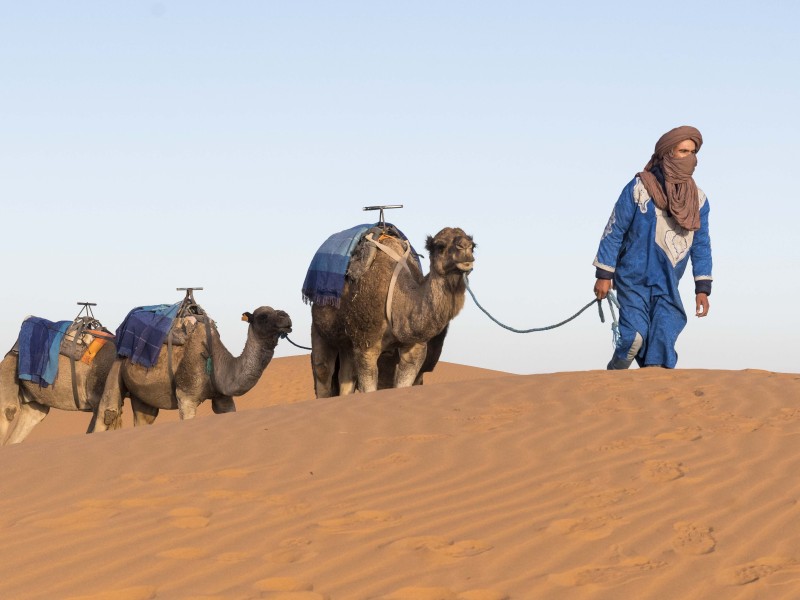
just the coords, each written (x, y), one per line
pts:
(369, 244)
(84, 338)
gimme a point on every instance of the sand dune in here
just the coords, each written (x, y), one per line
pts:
(477, 486)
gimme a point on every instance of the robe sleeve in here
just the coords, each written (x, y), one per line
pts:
(701, 254)
(618, 224)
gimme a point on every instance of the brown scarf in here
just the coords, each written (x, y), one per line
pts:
(679, 195)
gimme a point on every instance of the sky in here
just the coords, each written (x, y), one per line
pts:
(146, 146)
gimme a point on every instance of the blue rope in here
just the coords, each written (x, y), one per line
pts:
(612, 301)
(285, 336)
(611, 298)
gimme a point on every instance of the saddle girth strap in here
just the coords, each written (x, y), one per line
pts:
(75, 337)
(209, 360)
(170, 373)
(74, 382)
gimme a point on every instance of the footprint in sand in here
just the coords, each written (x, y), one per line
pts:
(287, 505)
(605, 498)
(189, 518)
(623, 572)
(501, 415)
(753, 571)
(360, 521)
(141, 592)
(288, 588)
(662, 471)
(683, 434)
(633, 443)
(787, 414)
(232, 557)
(190, 477)
(393, 460)
(293, 550)
(693, 539)
(233, 473)
(587, 528)
(414, 437)
(237, 496)
(75, 520)
(442, 547)
(483, 595)
(443, 593)
(187, 553)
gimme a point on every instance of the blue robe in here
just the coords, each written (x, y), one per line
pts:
(647, 252)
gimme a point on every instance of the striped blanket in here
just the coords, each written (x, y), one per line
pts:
(325, 277)
(39, 346)
(142, 333)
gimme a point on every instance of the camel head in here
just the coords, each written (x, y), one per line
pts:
(266, 322)
(450, 251)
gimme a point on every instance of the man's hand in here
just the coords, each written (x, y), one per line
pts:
(601, 287)
(701, 301)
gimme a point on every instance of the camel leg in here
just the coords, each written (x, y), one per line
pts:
(387, 364)
(323, 364)
(9, 394)
(111, 420)
(8, 411)
(408, 368)
(223, 405)
(143, 414)
(7, 414)
(366, 363)
(187, 408)
(30, 415)
(347, 376)
(108, 413)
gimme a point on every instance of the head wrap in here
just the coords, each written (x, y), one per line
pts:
(679, 195)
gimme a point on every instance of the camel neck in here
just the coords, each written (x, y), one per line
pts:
(235, 376)
(429, 305)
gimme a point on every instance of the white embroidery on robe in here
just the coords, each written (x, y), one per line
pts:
(640, 195)
(610, 225)
(673, 239)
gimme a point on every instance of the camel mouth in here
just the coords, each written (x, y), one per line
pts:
(466, 266)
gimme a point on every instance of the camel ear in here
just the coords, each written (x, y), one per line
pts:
(246, 317)
(429, 243)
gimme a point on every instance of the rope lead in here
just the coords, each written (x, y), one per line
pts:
(285, 336)
(612, 301)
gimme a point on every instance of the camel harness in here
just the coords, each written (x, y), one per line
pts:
(399, 266)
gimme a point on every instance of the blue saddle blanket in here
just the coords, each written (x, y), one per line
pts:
(39, 346)
(142, 333)
(325, 277)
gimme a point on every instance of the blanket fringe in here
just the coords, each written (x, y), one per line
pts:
(322, 300)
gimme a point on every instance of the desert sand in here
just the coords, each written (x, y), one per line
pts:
(479, 485)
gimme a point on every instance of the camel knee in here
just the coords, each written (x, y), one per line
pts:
(10, 413)
(322, 371)
(110, 418)
(323, 379)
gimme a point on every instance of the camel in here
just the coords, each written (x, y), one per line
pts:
(29, 403)
(153, 389)
(389, 314)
